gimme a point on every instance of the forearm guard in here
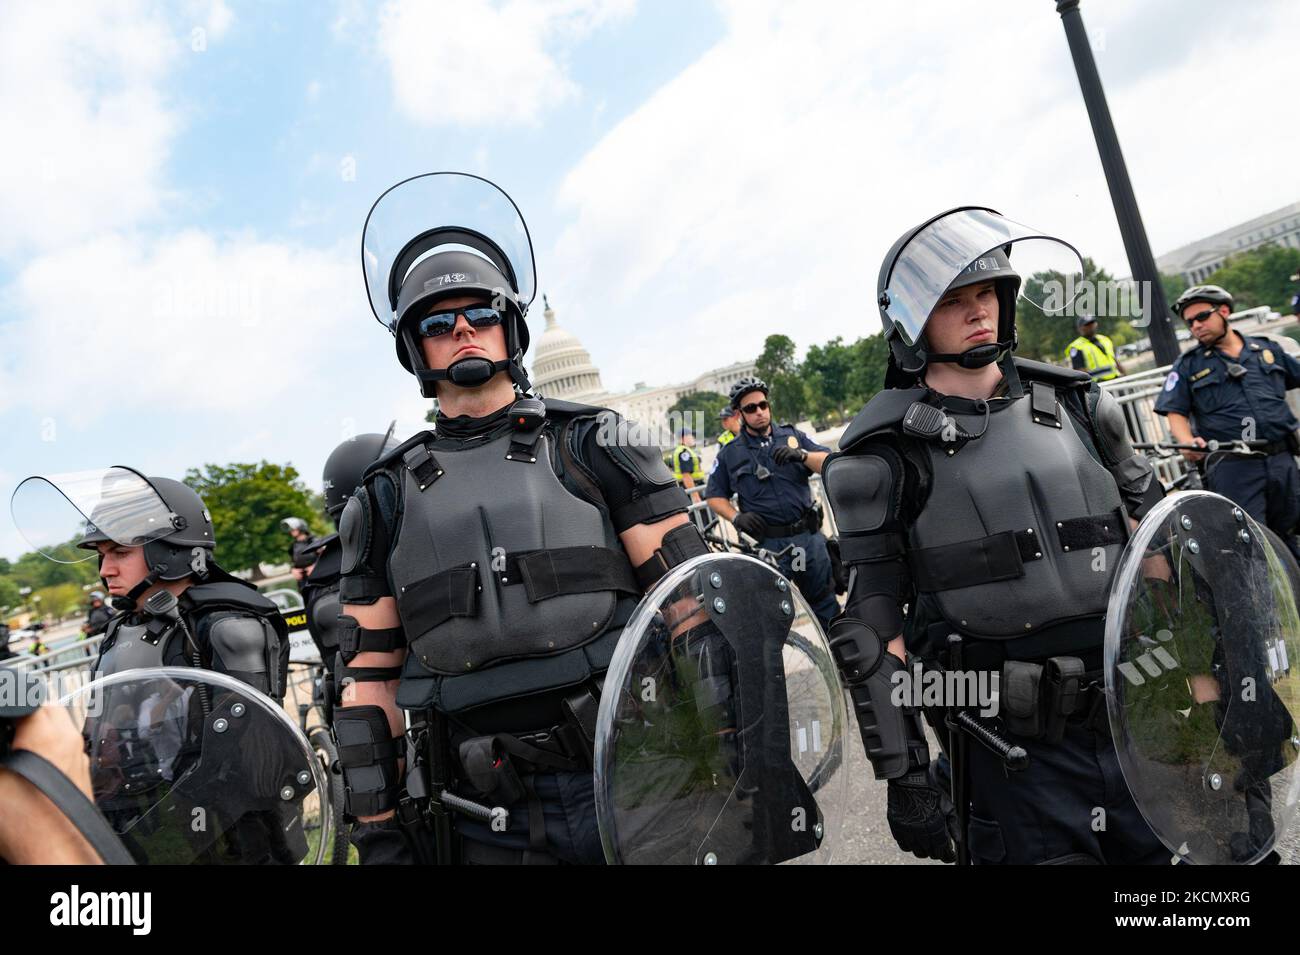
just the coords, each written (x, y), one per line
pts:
(892, 731)
(368, 756)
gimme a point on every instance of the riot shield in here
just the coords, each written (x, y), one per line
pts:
(192, 767)
(1202, 634)
(720, 738)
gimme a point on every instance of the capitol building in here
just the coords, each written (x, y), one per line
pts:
(562, 368)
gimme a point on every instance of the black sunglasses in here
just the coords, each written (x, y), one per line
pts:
(1200, 317)
(755, 406)
(440, 323)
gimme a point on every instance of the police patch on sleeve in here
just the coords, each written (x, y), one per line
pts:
(685, 457)
(1172, 381)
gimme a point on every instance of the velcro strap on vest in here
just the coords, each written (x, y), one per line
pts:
(523, 447)
(646, 510)
(1098, 530)
(423, 465)
(1043, 400)
(356, 589)
(970, 563)
(569, 570)
(431, 602)
(857, 550)
(354, 638)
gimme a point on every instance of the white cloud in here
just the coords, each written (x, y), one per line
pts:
(757, 191)
(480, 63)
(183, 322)
(89, 127)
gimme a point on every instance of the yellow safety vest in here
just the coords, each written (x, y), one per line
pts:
(697, 474)
(1099, 356)
(725, 438)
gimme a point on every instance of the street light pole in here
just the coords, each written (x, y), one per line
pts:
(1141, 263)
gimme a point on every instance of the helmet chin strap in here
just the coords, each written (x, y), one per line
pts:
(977, 357)
(130, 600)
(469, 372)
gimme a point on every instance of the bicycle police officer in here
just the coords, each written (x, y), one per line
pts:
(1234, 387)
(767, 468)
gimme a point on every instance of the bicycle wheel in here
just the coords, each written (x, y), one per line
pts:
(323, 746)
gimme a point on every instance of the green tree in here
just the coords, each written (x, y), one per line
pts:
(247, 503)
(61, 600)
(789, 394)
(699, 412)
(1259, 277)
(9, 596)
(828, 370)
(1174, 286)
(870, 361)
(1044, 336)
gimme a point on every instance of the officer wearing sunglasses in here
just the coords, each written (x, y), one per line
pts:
(1231, 387)
(767, 467)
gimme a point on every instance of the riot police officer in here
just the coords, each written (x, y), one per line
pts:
(1093, 352)
(767, 468)
(302, 548)
(489, 565)
(97, 615)
(320, 588)
(1234, 387)
(687, 468)
(989, 498)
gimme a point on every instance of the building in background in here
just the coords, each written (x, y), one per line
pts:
(561, 367)
(1197, 260)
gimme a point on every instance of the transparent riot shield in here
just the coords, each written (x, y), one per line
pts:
(721, 733)
(438, 211)
(192, 767)
(1202, 688)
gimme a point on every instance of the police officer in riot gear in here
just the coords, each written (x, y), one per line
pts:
(489, 565)
(767, 468)
(153, 535)
(1234, 388)
(320, 589)
(302, 548)
(991, 496)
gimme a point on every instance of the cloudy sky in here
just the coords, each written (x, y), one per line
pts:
(184, 185)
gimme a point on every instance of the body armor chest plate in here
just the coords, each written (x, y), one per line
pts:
(457, 550)
(136, 646)
(1057, 509)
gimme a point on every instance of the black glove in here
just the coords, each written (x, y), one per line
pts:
(381, 843)
(751, 524)
(920, 816)
(788, 455)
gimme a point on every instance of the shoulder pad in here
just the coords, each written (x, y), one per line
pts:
(555, 408)
(385, 461)
(882, 412)
(1054, 375)
(229, 594)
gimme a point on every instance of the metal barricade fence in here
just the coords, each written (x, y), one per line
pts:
(1136, 395)
(64, 669)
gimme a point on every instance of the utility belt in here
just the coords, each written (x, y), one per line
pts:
(809, 523)
(1036, 700)
(477, 776)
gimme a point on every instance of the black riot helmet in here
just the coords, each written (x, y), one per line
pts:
(961, 247)
(347, 463)
(445, 235)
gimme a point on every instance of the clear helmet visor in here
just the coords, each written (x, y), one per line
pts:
(437, 212)
(57, 512)
(967, 244)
